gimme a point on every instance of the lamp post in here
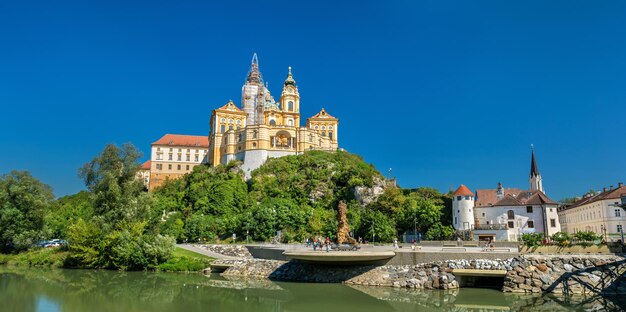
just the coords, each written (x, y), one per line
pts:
(414, 227)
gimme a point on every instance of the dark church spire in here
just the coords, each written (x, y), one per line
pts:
(534, 170)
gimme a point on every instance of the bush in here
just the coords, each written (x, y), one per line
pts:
(532, 239)
(586, 238)
(561, 239)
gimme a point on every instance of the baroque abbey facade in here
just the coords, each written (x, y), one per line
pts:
(264, 128)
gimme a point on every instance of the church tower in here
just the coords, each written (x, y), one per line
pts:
(290, 101)
(252, 97)
(462, 208)
(290, 98)
(536, 183)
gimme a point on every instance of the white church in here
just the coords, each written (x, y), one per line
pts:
(505, 214)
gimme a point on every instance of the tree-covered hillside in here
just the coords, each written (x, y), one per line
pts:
(296, 195)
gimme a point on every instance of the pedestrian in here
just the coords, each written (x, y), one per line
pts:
(395, 243)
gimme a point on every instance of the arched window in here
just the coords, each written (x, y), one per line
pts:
(510, 214)
(330, 134)
(330, 127)
(323, 127)
(230, 121)
(223, 119)
(254, 134)
(290, 122)
(323, 133)
(290, 106)
(223, 128)
(272, 122)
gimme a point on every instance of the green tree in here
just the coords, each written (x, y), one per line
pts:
(377, 226)
(111, 178)
(66, 211)
(117, 236)
(23, 204)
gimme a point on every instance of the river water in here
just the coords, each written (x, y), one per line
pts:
(24, 289)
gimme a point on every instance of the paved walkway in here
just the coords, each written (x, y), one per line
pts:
(203, 251)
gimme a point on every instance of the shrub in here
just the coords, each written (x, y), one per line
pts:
(586, 238)
(561, 238)
(532, 239)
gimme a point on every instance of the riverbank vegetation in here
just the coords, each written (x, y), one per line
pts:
(117, 224)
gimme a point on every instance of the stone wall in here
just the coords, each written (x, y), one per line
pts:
(567, 274)
(524, 274)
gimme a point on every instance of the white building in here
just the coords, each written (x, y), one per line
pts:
(599, 213)
(506, 214)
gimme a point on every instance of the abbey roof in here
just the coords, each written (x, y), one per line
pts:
(183, 140)
(146, 165)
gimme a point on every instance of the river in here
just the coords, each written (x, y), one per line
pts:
(24, 289)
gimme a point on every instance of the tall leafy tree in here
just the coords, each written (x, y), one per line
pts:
(23, 204)
(116, 192)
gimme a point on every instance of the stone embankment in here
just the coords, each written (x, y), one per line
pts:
(524, 274)
(567, 274)
(238, 251)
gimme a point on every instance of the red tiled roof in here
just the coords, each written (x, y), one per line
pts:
(146, 165)
(463, 191)
(508, 200)
(539, 198)
(487, 198)
(610, 194)
(183, 140)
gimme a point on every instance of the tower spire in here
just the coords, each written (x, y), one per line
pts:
(254, 75)
(536, 182)
(289, 80)
(534, 170)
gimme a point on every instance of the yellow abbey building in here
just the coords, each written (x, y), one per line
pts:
(263, 128)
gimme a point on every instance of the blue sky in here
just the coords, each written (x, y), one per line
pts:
(443, 92)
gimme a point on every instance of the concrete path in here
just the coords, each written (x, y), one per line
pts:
(202, 251)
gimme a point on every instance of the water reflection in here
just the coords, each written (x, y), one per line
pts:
(80, 290)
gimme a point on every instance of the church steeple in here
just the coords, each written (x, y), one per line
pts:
(536, 183)
(290, 98)
(289, 80)
(254, 75)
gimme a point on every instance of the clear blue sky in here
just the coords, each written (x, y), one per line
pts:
(443, 92)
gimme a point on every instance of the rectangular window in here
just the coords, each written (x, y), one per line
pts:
(159, 166)
(483, 214)
(187, 167)
(531, 224)
(169, 167)
(618, 212)
(170, 156)
(178, 167)
(466, 197)
(459, 197)
(511, 225)
(529, 209)
(552, 222)
(159, 157)
(619, 228)
(180, 157)
(158, 149)
(196, 157)
(188, 157)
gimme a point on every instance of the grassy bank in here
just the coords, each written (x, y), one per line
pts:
(181, 261)
(41, 257)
